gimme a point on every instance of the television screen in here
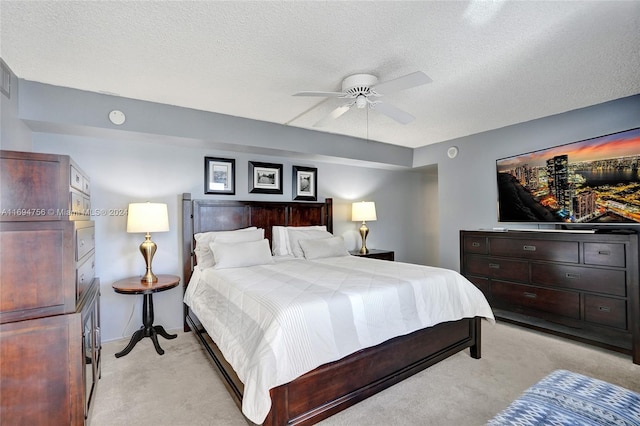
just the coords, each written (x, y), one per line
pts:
(594, 181)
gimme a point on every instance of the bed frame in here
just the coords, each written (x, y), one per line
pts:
(331, 387)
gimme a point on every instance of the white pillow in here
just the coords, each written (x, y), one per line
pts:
(236, 255)
(204, 239)
(280, 238)
(295, 235)
(324, 247)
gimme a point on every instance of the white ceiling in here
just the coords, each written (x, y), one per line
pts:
(493, 63)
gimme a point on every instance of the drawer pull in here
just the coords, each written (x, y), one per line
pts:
(604, 308)
(529, 295)
(475, 244)
(529, 248)
(494, 265)
(574, 276)
(604, 252)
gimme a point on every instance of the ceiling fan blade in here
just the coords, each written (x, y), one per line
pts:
(323, 94)
(405, 82)
(396, 113)
(333, 115)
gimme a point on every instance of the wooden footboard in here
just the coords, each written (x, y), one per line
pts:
(336, 386)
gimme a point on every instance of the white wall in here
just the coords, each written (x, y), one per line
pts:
(124, 171)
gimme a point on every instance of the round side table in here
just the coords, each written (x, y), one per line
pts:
(133, 285)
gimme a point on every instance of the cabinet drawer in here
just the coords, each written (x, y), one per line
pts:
(604, 254)
(507, 269)
(541, 299)
(609, 281)
(605, 311)
(76, 179)
(84, 275)
(41, 255)
(85, 241)
(476, 245)
(559, 251)
(77, 203)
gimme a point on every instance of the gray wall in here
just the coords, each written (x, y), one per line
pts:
(14, 133)
(467, 187)
(159, 153)
(124, 171)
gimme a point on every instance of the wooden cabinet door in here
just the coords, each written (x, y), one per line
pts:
(41, 377)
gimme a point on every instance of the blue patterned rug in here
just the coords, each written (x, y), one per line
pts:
(570, 399)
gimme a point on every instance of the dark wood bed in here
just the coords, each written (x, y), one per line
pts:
(332, 387)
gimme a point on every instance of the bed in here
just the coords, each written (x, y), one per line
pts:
(336, 384)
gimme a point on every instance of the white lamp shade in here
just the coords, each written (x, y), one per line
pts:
(362, 211)
(147, 217)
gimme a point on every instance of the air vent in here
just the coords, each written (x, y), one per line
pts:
(5, 79)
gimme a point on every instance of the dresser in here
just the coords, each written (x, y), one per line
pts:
(49, 294)
(578, 285)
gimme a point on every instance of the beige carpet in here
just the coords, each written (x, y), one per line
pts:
(181, 387)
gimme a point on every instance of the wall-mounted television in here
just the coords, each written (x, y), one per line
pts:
(593, 181)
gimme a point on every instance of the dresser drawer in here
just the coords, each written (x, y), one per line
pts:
(36, 269)
(84, 275)
(559, 251)
(604, 254)
(507, 269)
(77, 203)
(76, 179)
(605, 311)
(556, 302)
(609, 281)
(482, 284)
(477, 245)
(86, 205)
(85, 241)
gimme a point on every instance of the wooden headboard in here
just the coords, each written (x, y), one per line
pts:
(221, 215)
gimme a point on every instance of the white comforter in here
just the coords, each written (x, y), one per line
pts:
(276, 322)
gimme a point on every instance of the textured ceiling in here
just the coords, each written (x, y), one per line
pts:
(493, 63)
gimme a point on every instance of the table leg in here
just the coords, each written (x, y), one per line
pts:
(137, 336)
(147, 329)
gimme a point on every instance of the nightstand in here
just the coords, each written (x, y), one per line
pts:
(375, 254)
(133, 285)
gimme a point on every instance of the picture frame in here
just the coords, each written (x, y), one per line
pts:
(219, 175)
(265, 178)
(305, 183)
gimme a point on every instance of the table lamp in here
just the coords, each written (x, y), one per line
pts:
(147, 218)
(363, 211)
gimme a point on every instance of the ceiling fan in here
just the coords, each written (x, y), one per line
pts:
(361, 88)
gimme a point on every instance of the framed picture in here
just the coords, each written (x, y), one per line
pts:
(265, 178)
(305, 183)
(219, 175)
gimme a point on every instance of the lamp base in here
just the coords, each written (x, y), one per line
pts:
(148, 249)
(364, 231)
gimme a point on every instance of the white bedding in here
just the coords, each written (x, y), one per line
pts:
(276, 322)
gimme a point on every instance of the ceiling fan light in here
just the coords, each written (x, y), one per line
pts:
(361, 101)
